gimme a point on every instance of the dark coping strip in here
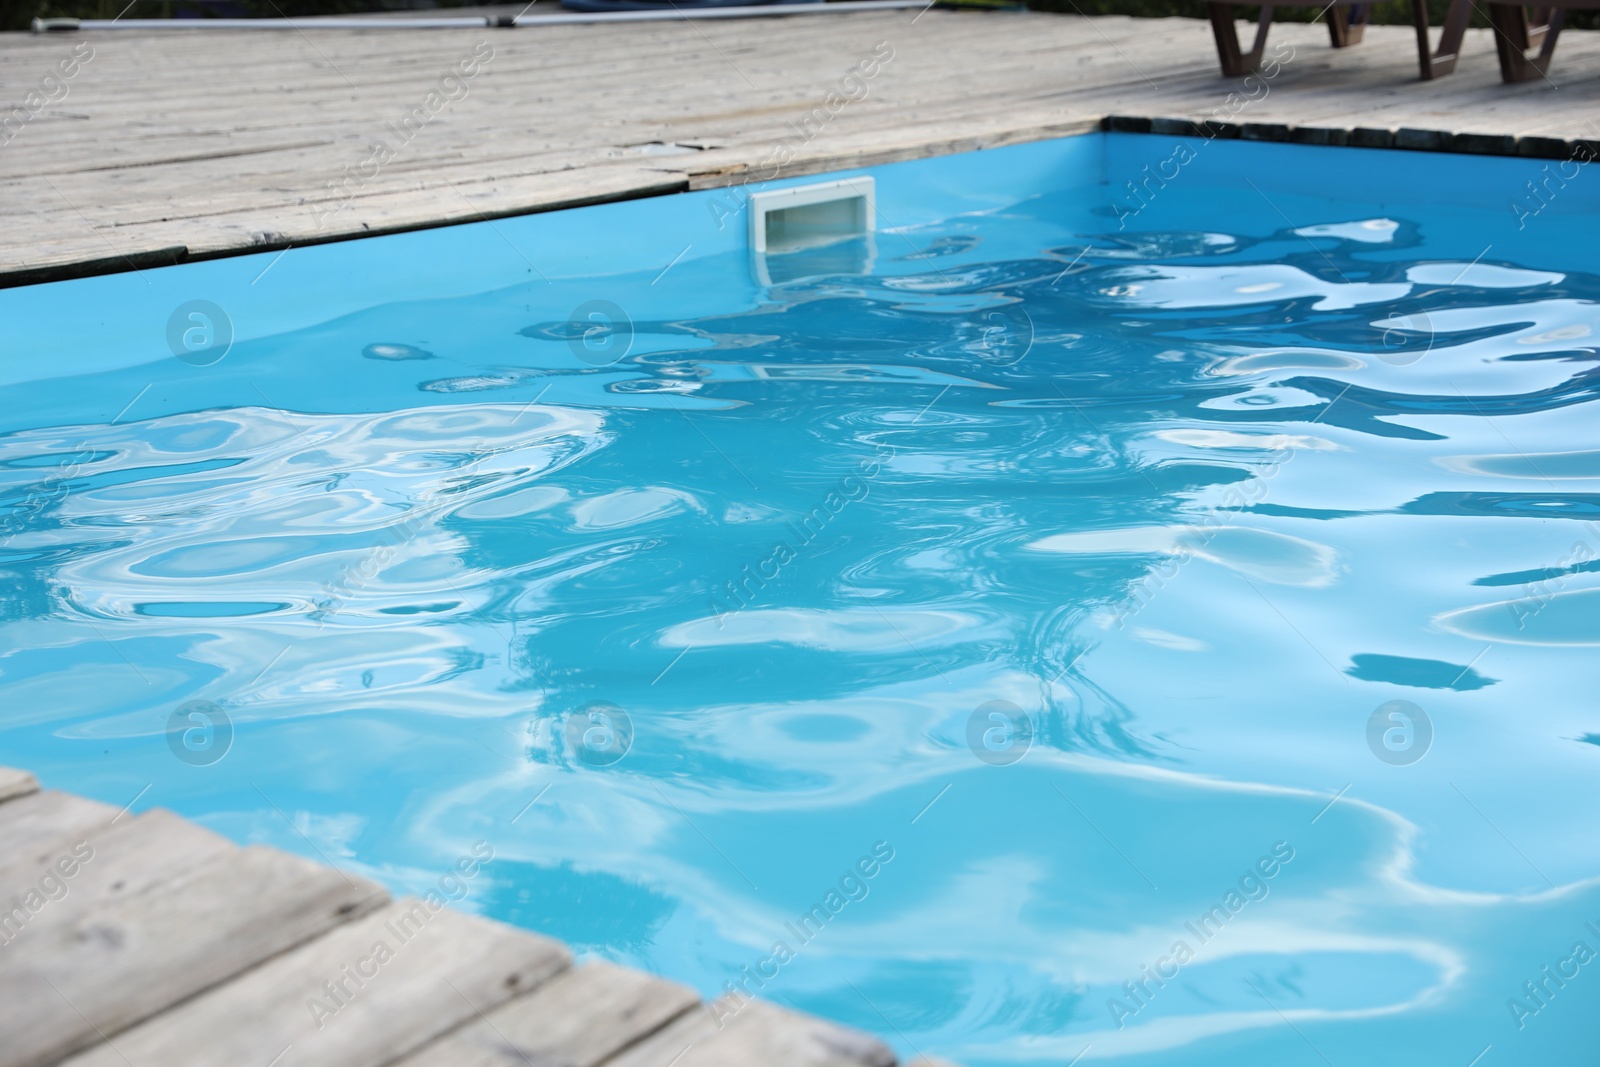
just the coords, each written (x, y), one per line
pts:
(1406, 138)
(85, 268)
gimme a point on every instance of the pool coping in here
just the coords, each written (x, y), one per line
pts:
(1405, 138)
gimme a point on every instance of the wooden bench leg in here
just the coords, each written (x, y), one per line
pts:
(1436, 64)
(1235, 62)
(1513, 37)
(1531, 29)
(1346, 24)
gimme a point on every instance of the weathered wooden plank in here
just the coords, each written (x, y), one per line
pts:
(578, 1019)
(78, 978)
(724, 1034)
(47, 821)
(15, 783)
(71, 878)
(360, 996)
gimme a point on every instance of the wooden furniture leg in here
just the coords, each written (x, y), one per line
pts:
(1532, 28)
(1513, 38)
(1234, 62)
(1436, 64)
(1346, 24)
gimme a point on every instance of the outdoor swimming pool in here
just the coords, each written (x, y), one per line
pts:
(1154, 621)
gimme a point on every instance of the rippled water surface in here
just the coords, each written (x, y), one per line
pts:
(744, 613)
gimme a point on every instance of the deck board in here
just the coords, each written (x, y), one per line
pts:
(135, 166)
(77, 978)
(172, 947)
(731, 1033)
(45, 824)
(579, 1019)
(15, 784)
(110, 863)
(442, 972)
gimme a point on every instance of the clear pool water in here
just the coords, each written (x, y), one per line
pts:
(1258, 515)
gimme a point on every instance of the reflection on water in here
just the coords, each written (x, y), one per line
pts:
(1172, 495)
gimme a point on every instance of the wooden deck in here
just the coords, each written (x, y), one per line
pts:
(181, 144)
(145, 941)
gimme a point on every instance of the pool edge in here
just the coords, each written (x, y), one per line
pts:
(665, 182)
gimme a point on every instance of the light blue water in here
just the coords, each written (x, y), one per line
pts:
(1193, 499)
